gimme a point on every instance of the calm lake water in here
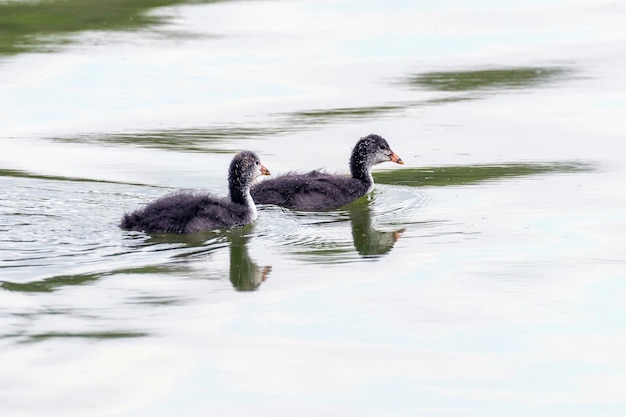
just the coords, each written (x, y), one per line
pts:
(486, 277)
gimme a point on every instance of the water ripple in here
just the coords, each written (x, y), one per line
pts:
(365, 229)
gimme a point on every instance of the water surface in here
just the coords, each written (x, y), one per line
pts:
(484, 277)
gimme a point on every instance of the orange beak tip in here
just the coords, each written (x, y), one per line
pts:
(265, 171)
(395, 158)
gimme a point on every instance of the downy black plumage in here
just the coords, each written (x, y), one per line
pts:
(189, 212)
(318, 190)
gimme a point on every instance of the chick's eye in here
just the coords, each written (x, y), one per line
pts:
(257, 163)
(381, 147)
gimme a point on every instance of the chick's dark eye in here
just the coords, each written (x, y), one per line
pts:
(381, 146)
(257, 162)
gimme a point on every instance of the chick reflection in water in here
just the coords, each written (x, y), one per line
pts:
(245, 274)
(368, 241)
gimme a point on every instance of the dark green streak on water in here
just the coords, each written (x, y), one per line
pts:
(471, 174)
(210, 139)
(82, 335)
(17, 173)
(347, 114)
(49, 284)
(53, 283)
(27, 26)
(342, 114)
(487, 79)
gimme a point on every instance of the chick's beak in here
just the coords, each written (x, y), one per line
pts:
(264, 171)
(395, 158)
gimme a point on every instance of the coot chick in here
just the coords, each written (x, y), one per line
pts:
(317, 190)
(187, 212)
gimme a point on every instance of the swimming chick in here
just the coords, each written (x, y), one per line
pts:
(188, 212)
(317, 190)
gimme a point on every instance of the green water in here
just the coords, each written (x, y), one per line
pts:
(43, 26)
(483, 277)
